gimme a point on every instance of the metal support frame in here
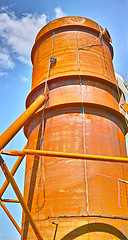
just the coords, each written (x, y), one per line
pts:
(66, 155)
(10, 200)
(5, 138)
(12, 172)
(19, 196)
(19, 123)
(4, 187)
(10, 216)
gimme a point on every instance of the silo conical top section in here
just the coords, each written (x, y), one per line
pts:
(71, 198)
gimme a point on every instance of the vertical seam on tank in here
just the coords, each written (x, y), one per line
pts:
(41, 159)
(42, 140)
(83, 114)
(49, 62)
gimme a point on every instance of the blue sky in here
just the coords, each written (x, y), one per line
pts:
(20, 21)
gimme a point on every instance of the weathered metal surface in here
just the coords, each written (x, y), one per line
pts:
(82, 116)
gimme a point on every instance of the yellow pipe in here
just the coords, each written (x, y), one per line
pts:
(19, 123)
(19, 196)
(10, 200)
(12, 172)
(65, 155)
(10, 216)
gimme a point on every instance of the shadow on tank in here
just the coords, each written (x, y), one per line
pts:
(94, 227)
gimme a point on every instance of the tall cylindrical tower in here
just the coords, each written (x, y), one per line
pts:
(69, 198)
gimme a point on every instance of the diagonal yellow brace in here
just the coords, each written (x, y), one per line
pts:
(10, 216)
(6, 137)
(19, 196)
(12, 172)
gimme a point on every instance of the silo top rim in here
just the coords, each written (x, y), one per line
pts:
(73, 22)
(67, 22)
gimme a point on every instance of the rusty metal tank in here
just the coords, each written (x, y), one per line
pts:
(69, 198)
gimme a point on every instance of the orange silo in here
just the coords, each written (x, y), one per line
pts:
(75, 198)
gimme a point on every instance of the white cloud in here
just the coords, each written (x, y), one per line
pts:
(5, 59)
(24, 79)
(18, 34)
(4, 8)
(2, 73)
(59, 12)
(25, 59)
